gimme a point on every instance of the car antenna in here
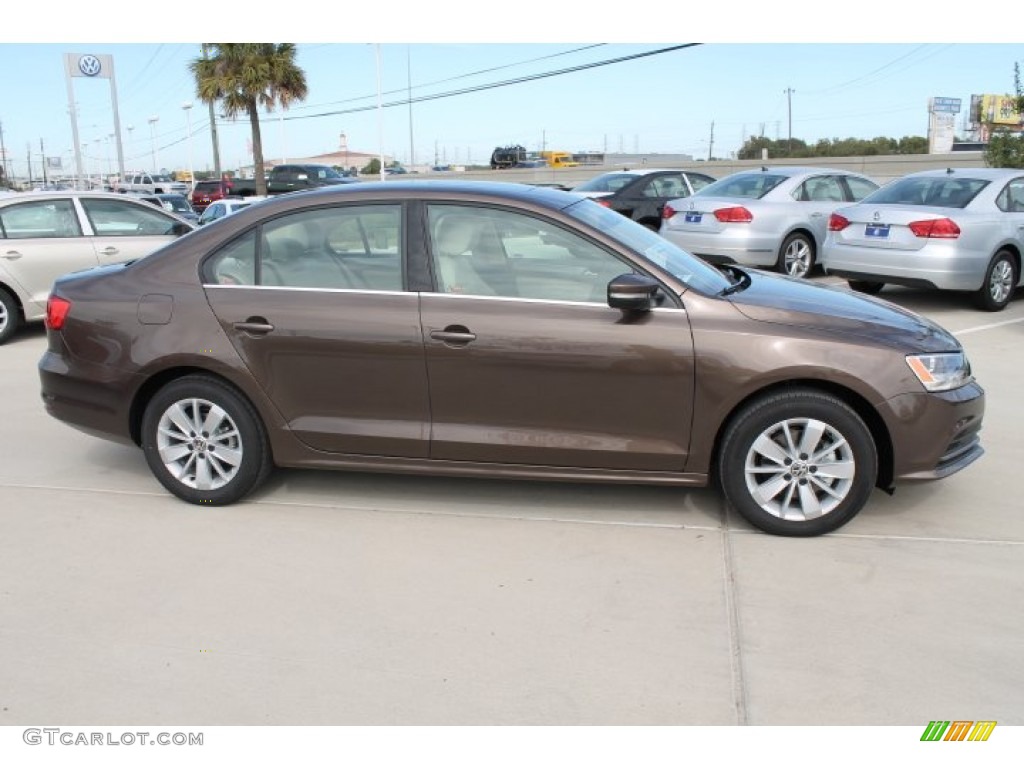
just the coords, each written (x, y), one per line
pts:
(949, 170)
(764, 168)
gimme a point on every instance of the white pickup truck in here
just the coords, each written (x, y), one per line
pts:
(152, 184)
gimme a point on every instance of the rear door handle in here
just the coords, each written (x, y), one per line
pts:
(12, 255)
(255, 326)
(109, 251)
(454, 334)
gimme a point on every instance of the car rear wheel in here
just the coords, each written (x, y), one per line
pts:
(865, 286)
(1000, 282)
(796, 257)
(798, 463)
(10, 316)
(204, 442)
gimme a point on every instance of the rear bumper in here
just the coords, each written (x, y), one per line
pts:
(734, 245)
(93, 399)
(926, 268)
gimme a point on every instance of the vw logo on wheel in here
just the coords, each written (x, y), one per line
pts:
(89, 65)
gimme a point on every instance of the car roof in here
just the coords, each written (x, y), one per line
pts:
(798, 170)
(49, 194)
(975, 173)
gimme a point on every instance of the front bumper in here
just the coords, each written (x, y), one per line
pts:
(935, 435)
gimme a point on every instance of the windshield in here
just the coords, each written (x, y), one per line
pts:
(609, 182)
(752, 186)
(161, 177)
(940, 191)
(177, 204)
(323, 172)
(689, 269)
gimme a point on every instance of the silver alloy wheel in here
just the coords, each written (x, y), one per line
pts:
(797, 258)
(4, 317)
(799, 469)
(199, 444)
(1000, 283)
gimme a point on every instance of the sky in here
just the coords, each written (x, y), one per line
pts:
(708, 97)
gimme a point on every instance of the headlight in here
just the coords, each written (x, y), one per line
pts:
(941, 372)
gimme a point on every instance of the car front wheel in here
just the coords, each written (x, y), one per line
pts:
(796, 257)
(10, 317)
(1000, 282)
(204, 442)
(799, 463)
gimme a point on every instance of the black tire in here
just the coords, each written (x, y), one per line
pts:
(244, 460)
(10, 316)
(865, 286)
(999, 284)
(796, 256)
(809, 495)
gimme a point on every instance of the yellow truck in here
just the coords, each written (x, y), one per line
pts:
(557, 159)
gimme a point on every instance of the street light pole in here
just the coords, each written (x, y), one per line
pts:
(187, 106)
(152, 139)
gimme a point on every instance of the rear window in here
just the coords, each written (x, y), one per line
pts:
(752, 186)
(609, 182)
(207, 186)
(940, 191)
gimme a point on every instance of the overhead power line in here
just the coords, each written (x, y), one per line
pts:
(498, 84)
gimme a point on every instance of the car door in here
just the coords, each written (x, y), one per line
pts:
(527, 363)
(643, 199)
(342, 361)
(42, 240)
(123, 229)
(819, 196)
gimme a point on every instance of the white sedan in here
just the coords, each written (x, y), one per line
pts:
(44, 235)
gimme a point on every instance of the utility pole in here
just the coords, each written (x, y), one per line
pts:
(213, 130)
(789, 98)
(408, 72)
(711, 141)
(28, 157)
(42, 153)
(3, 151)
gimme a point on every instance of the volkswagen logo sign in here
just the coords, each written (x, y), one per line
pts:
(877, 216)
(89, 65)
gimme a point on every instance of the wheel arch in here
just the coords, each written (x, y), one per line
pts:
(1014, 251)
(9, 289)
(160, 379)
(800, 229)
(868, 414)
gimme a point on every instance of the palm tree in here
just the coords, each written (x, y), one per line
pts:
(247, 76)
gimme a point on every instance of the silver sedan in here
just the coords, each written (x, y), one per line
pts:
(772, 217)
(959, 229)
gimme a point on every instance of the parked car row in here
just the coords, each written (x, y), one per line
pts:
(953, 229)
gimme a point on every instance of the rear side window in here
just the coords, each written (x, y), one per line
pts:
(940, 191)
(43, 218)
(1011, 199)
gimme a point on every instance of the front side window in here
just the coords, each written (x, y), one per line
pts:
(493, 252)
(859, 188)
(42, 218)
(118, 218)
(820, 189)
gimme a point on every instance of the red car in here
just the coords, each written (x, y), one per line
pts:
(206, 192)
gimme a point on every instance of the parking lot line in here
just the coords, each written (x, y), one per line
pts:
(988, 327)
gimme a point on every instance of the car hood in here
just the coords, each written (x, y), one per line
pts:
(788, 301)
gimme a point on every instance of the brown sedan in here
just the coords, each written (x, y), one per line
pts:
(508, 331)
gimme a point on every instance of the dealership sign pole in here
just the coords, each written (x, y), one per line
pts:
(93, 66)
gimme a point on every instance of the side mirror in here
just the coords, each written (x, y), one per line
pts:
(632, 293)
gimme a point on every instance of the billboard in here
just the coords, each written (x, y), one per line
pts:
(998, 110)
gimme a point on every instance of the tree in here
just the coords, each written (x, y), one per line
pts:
(245, 77)
(1004, 149)
(372, 168)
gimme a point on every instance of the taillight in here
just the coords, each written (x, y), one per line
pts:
(602, 201)
(668, 212)
(945, 228)
(57, 309)
(837, 223)
(735, 215)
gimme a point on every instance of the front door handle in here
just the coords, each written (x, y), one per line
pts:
(12, 255)
(109, 251)
(256, 326)
(458, 335)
